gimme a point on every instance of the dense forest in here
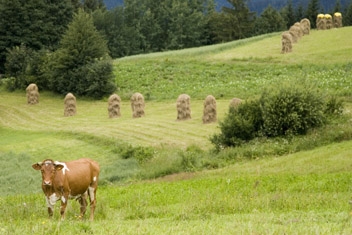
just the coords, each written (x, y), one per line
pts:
(258, 6)
(49, 42)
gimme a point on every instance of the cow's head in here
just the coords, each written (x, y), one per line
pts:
(48, 168)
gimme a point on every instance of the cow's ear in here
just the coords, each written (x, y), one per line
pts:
(59, 167)
(37, 166)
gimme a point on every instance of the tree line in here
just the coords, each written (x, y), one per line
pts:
(37, 33)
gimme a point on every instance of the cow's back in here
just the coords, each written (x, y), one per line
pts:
(81, 174)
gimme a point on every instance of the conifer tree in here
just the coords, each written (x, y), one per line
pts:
(82, 65)
(313, 11)
(235, 22)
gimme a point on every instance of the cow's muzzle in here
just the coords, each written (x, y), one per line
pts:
(48, 183)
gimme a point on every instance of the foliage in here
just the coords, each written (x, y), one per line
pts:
(235, 22)
(347, 17)
(291, 110)
(241, 124)
(285, 110)
(288, 13)
(269, 21)
(92, 5)
(312, 12)
(149, 26)
(140, 153)
(36, 24)
(81, 65)
(17, 66)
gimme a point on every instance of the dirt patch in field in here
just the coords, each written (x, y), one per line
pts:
(176, 177)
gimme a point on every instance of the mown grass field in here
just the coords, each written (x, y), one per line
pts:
(304, 192)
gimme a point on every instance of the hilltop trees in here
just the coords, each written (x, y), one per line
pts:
(313, 11)
(30, 32)
(37, 24)
(270, 21)
(154, 25)
(233, 22)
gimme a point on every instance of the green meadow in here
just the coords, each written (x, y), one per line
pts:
(162, 176)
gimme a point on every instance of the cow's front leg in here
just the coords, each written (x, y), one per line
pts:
(50, 202)
(64, 200)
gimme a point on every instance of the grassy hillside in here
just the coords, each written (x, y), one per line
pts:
(240, 68)
(263, 191)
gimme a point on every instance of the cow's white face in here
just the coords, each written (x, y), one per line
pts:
(48, 169)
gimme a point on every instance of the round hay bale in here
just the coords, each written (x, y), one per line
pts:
(286, 41)
(328, 20)
(32, 93)
(235, 102)
(321, 22)
(183, 105)
(137, 105)
(114, 106)
(305, 23)
(209, 111)
(70, 105)
(337, 19)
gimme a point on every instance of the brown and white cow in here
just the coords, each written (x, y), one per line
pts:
(69, 180)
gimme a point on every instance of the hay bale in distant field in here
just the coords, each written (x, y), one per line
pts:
(183, 105)
(32, 94)
(137, 105)
(209, 111)
(321, 22)
(299, 29)
(329, 23)
(235, 102)
(337, 20)
(114, 105)
(305, 23)
(286, 41)
(295, 33)
(70, 105)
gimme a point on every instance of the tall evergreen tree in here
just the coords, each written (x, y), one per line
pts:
(313, 11)
(288, 14)
(186, 24)
(337, 7)
(233, 22)
(347, 17)
(81, 65)
(92, 5)
(270, 21)
(299, 13)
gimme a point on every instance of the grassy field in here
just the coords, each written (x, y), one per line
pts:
(270, 187)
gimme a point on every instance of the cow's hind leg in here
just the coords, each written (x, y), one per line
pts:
(83, 202)
(93, 201)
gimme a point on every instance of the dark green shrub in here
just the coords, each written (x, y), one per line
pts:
(285, 110)
(141, 154)
(25, 66)
(241, 124)
(291, 110)
(17, 65)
